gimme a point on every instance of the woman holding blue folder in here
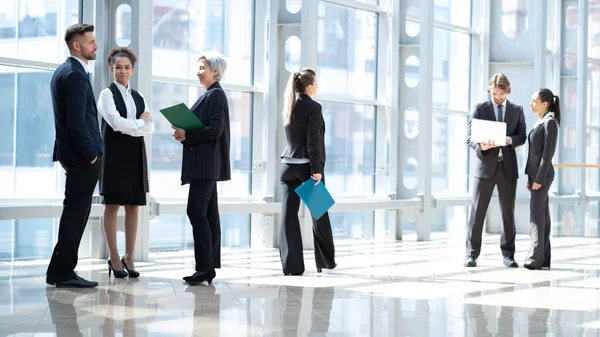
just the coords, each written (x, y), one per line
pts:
(124, 179)
(302, 159)
(206, 161)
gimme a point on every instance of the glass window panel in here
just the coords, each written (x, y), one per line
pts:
(592, 219)
(593, 106)
(174, 232)
(7, 125)
(451, 70)
(456, 12)
(123, 25)
(30, 26)
(34, 239)
(357, 225)
(293, 51)
(184, 29)
(6, 240)
(412, 27)
(550, 24)
(347, 48)
(165, 169)
(449, 169)
(29, 172)
(450, 220)
(350, 147)
(592, 157)
(514, 18)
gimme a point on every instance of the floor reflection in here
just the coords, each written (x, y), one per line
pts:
(375, 296)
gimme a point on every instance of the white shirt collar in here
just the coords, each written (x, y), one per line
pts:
(82, 63)
(547, 116)
(122, 88)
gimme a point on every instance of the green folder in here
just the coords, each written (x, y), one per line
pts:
(180, 116)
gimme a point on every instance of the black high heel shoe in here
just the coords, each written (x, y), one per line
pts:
(118, 273)
(132, 272)
(319, 269)
(199, 278)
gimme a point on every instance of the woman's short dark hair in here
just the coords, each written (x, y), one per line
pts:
(127, 52)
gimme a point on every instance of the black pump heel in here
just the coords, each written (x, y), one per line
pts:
(132, 272)
(197, 279)
(118, 273)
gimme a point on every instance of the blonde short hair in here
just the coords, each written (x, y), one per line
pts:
(499, 81)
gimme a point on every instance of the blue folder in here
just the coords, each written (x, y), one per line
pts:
(317, 198)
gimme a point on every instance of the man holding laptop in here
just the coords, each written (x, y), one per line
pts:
(495, 165)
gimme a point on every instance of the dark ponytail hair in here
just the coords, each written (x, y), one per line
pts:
(553, 102)
(297, 83)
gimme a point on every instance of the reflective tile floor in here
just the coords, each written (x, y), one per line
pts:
(387, 289)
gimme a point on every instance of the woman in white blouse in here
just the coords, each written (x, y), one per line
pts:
(124, 179)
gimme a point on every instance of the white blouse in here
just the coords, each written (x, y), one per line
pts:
(130, 125)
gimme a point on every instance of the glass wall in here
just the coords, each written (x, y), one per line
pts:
(451, 107)
(357, 111)
(30, 30)
(347, 69)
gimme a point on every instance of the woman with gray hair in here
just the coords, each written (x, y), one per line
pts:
(206, 161)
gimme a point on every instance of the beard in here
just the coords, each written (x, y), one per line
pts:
(89, 56)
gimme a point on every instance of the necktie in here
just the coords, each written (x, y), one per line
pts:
(500, 114)
(500, 119)
(89, 76)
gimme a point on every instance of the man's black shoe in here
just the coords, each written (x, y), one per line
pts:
(50, 280)
(76, 282)
(471, 262)
(510, 262)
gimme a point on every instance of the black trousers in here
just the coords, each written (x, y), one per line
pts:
(482, 194)
(290, 236)
(203, 212)
(539, 225)
(79, 188)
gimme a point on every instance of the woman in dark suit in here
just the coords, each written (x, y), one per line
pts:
(302, 159)
(206, 161)
(540, 174)
(124, 179)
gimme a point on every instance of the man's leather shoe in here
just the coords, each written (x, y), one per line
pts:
(471, 262)
(50, 280)
(510, 262)
(76, 282)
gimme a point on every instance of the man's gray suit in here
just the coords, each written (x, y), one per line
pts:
(492, 169)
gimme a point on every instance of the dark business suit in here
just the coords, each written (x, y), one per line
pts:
(77, 143)
(206, 161)
(539, 169)
(490, 171)
(305, 140)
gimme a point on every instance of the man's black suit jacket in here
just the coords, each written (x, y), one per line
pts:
(305, 133)
(486, 162)
(206, 150)
(75, 115)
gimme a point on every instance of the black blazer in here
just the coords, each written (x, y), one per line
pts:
(305, 133)
(75, 115)
(486, 162)
(542, 144)
(124, 164)
(206, 150)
